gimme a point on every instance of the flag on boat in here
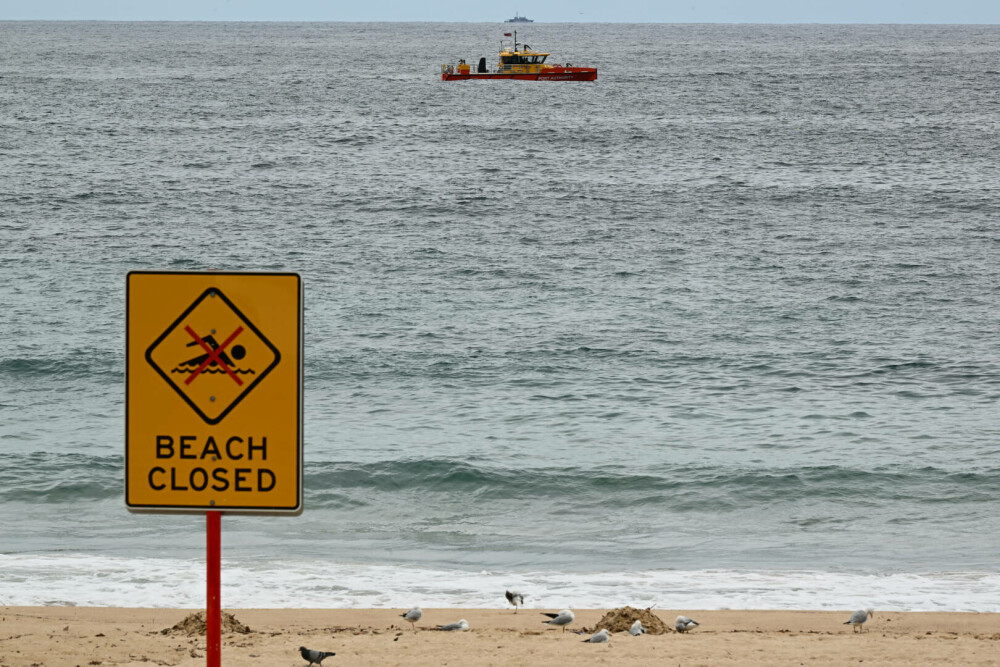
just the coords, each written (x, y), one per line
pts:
(506, 34)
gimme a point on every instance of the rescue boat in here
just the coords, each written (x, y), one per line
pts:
(518, 63)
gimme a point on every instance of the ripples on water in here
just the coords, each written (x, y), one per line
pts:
(733, 305)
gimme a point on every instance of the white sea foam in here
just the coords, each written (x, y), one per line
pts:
(88, 580)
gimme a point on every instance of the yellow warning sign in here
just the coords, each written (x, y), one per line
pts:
(213, 392)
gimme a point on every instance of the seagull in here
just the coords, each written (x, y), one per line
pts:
(314, 657)
(413, 616)
(599, 637)
(563, 618)
(859, 617)
(461, 625)
(637, 629)
(684, 624)
(515, 599)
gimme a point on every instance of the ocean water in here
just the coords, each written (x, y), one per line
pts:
(718, 330)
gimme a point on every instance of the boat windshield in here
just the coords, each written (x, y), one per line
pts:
(512, 59)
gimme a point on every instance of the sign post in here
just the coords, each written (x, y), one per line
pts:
(213, 402)
(213, 608)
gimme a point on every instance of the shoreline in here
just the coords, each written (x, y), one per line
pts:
(94, 580)
(134, 636)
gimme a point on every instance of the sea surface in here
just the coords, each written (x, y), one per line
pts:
(718, 330)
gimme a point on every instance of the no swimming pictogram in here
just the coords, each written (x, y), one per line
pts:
(215, 355)
(212, 376)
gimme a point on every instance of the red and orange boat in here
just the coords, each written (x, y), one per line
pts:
(518, 63)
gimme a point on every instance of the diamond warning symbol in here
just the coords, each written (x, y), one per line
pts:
(213, 356)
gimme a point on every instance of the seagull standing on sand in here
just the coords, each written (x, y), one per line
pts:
(859, 617)
(637, 629)
(684, 624)
(562, 619)
(451, 627)
(413, 616)
(314, 657)
(599, 637)
(515, 599)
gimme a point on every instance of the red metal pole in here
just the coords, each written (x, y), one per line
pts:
(213, 615)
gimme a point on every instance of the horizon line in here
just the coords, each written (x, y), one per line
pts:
(163, 20)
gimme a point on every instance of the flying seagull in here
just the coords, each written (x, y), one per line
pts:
(314, 657)
(515, 599)
(563, 618)
(684, 624)
(637, 629)
(599, 637)
(451, 627)
(859, 617)
(413, 616)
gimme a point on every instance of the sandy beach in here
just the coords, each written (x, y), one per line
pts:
(44, 636)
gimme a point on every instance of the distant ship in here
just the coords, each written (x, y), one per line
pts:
(519, 19)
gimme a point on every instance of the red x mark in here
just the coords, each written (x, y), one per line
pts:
(214, 355)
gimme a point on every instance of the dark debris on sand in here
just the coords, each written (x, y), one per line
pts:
(195, 624)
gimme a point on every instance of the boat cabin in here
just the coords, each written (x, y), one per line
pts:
(521, 62)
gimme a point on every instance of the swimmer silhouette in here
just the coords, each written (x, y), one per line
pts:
(238, 352)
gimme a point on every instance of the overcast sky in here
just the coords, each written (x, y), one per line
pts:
(637, 11)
